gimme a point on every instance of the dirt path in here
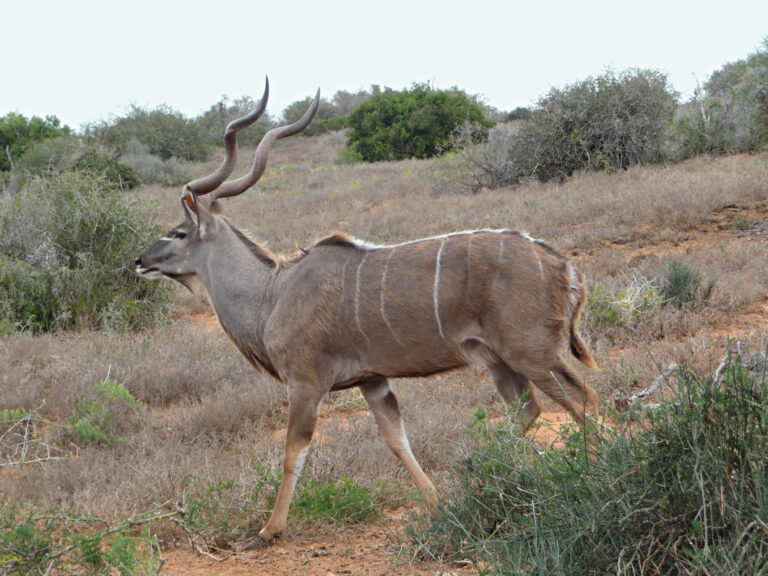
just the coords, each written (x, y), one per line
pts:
(366, 551)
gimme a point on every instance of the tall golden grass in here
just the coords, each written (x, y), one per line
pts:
(209, 414)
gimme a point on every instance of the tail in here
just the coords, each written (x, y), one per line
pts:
(578, 297)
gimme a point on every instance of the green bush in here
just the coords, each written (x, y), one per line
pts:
(67, 246)
(679, 490)
(48, 157)
(99, 417)
(335, 500)
(115, 172)
(413, 123)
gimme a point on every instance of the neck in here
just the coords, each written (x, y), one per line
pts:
(239, 276)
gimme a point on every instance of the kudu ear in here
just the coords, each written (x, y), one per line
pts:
(198, 213)
(189, 203)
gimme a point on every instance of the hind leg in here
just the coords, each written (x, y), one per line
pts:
(514, 387)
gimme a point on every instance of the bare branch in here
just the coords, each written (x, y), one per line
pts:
(624, 403)
(24, 441)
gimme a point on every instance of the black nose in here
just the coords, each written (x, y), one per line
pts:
(138, 261)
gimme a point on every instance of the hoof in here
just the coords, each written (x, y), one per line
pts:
(266, 536)
(257, 543)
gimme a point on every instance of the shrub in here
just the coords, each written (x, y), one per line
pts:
(153, 169)
(67, 246)
(604, 123)
(222, 512)
(679, 490)
(57, 542)
(99, 417)
(626, 307)
(480, 165)
(344, 103)
(115, 172)
(335, 500)
(48, 157)
(681, 284)
(166, 132)
(414, 123)
(730, 113)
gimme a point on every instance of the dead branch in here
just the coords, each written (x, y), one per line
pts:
(24, 441)
(624, 403)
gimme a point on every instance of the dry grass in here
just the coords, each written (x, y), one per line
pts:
(209, 414)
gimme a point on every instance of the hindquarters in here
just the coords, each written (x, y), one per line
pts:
(530, 330)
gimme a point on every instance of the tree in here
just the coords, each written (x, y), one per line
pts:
(17, 134)
(214, 121)
(730, 113)
(295, 110)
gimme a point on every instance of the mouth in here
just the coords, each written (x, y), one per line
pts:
(153, 273)
(150, 273)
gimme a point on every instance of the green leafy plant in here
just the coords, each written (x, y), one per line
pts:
(677, 490)
(221, 512)
(335, 499)
(99, 416)
(8, 415)
(34, 541)
(413, 123)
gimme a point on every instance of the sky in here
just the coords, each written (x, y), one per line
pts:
(86, 61)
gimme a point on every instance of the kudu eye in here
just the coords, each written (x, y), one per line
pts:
(180, 235)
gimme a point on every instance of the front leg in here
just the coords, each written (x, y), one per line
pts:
(303, 406)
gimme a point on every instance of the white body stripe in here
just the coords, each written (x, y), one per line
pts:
(436, 293)
(381, 304)
(357, 295)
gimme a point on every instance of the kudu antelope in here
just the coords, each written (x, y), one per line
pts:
(346, 313)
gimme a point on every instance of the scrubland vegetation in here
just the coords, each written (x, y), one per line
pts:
(129, 423)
